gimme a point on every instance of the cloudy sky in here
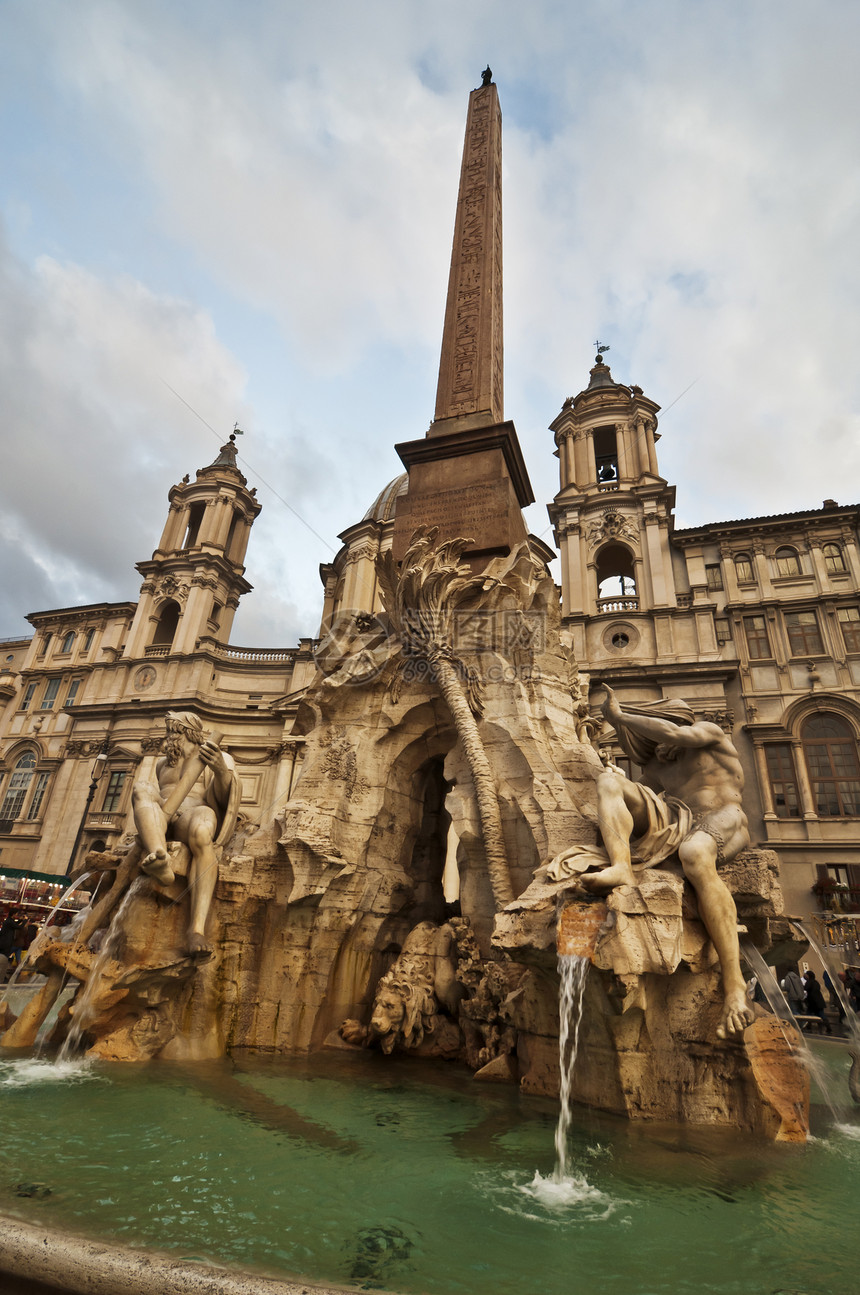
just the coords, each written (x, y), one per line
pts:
(213, 211)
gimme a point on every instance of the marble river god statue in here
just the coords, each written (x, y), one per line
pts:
(193, 800)
(688, 802)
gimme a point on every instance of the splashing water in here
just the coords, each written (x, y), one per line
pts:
(82, 1008)
(573, 971)
(28, 1071)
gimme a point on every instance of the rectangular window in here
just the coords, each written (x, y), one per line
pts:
(804, 636)
(849, 623)
(50, 694)
(113, 793)
(723, 628)
(714, 575)
(41, 786)
(28, 696)
(72, 693)
(780, 766)
(758, 643)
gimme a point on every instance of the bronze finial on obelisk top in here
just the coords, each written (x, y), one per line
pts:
(470, 386)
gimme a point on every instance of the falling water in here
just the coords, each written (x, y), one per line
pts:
(82, 1006)
(829, 962)
(832, 1093)
(572, 970)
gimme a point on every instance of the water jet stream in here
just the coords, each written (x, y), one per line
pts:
(573, 971)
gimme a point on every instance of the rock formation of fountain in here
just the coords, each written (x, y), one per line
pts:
(419, 735)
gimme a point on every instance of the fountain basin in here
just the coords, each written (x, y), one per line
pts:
(355, 1170)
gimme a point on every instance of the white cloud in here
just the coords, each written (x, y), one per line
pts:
(93, 436)
(680, 181)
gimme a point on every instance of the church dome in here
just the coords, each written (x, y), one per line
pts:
(382, 508)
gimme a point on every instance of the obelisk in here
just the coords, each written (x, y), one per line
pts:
(471, 366)
(467, 476)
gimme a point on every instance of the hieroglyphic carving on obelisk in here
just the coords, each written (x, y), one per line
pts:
(470, 370)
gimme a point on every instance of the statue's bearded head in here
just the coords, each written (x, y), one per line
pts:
(182, 727)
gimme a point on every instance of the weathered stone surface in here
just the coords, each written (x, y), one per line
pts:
(648, 1046)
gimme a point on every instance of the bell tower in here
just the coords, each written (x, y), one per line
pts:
(613, 513)
(195, 578)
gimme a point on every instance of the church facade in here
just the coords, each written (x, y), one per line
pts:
(755, 622)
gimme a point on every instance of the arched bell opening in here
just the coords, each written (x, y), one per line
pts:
(166, 625)
(616, 580)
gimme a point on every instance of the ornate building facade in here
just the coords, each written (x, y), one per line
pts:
(755, 622)
(84, 700)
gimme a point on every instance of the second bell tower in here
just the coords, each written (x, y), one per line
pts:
(194, 580)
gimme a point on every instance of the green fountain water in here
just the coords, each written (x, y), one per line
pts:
(353, 1169)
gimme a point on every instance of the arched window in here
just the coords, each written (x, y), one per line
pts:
(615, 578)
(834, 559)
(744, 568)
(19, 785)
(788, 561)
(834, 768)
(25, 791)
(168, 620)
(68, 642)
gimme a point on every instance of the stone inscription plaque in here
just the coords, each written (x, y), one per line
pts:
(481, 512)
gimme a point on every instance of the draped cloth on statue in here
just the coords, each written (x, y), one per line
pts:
(669, 823)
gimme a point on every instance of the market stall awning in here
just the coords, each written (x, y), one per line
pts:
(34, 876)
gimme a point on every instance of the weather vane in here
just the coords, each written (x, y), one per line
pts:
(600, 349)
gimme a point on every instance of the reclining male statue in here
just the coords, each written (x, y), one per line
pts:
(194, 799)
(688, 802)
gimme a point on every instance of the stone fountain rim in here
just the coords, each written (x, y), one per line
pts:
(64, 1261)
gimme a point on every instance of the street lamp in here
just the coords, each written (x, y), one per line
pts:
(99, 766)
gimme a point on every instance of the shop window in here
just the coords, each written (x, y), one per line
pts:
(804, 636)
(744, 569)
(830, 749)
(783, 780)
(849, 623)
(758, 643)
(834, 559)
(787, 561)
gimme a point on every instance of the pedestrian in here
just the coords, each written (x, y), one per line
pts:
(795, 992)
(815, 999)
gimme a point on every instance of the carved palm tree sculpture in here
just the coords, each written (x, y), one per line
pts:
(422, 598)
